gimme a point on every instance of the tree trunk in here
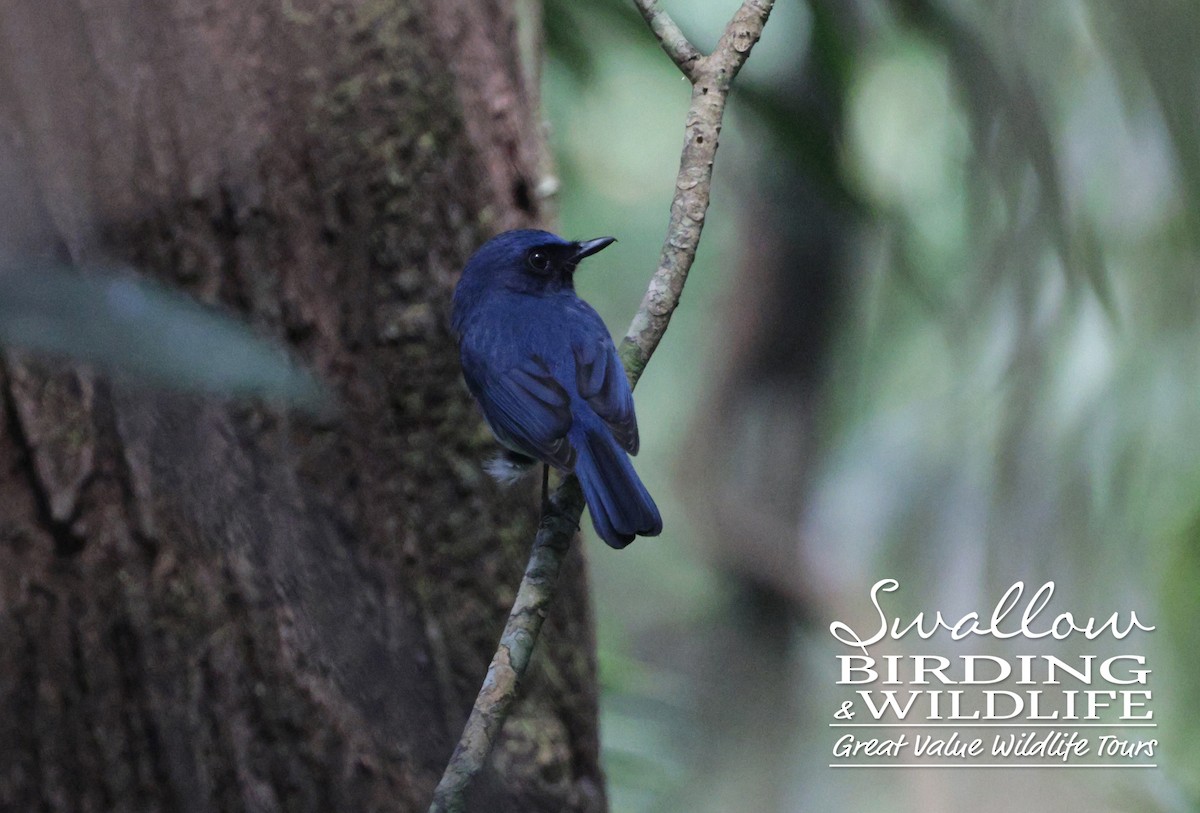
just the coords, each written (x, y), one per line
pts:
(215, 606)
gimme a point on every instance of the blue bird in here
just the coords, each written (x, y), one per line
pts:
(544, 370)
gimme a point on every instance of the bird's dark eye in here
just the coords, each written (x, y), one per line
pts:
(538, 260)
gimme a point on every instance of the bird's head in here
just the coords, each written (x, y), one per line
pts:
(526, 261)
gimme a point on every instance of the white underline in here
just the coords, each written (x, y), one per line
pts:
(1066, 724)
(993, 765)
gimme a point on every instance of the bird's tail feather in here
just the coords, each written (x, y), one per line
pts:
(620, 506)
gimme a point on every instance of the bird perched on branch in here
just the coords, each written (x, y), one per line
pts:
(543, 368)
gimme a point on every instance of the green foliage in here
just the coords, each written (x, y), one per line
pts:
(123, 325)
(1181, 600)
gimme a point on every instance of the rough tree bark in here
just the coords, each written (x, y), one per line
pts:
(219, 606)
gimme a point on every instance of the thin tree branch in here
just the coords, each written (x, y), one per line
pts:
(515, 649)
(693, 184)
(672, 40)
(711, 77)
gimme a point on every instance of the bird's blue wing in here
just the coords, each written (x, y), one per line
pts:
(527, 409)
(601, 382)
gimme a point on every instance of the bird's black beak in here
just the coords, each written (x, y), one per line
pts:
(587, 248)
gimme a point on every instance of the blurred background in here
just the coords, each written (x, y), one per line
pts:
(943, 327)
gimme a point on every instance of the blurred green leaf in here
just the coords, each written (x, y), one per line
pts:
(1163, 36)
(124, 325)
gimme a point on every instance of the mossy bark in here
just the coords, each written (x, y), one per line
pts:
(220, 606)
